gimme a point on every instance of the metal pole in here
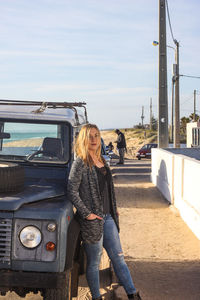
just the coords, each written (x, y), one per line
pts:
(150, 113)
(142, 116)
(194, 117)
(177, 102)
(172, 117)
(162, 101)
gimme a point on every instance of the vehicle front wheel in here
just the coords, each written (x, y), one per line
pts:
(139, 157)
(63, 293)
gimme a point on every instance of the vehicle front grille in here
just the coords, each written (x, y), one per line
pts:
(5, 240)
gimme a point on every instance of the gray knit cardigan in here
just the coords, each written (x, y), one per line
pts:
(83, 191)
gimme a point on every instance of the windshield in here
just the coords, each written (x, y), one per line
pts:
(144, 147)
(34, 142)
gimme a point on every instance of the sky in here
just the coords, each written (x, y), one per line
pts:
(99, 52)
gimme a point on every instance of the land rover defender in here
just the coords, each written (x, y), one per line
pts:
(40, 248)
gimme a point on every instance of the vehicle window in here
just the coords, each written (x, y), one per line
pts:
(144, 147)
(35, 142)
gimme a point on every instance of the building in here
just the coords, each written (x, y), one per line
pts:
(193, 134)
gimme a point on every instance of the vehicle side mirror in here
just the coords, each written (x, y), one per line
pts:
(4, 135)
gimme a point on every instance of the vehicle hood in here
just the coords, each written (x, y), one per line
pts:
(31, 193)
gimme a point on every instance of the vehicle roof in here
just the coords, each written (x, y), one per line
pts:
(35, 112)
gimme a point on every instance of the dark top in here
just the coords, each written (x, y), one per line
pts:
(121, 142)
(83, 191)
(103, 180)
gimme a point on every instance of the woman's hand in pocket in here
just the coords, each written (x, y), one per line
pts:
(93, 217)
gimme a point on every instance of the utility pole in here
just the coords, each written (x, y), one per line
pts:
(194, 117)
(150, 114)
(172, 116)
(142, 116)
(177, 102)
(162, 101)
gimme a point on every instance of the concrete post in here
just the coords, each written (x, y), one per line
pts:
(162, 101)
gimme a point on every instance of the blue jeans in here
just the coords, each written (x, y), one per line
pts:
(111, 242)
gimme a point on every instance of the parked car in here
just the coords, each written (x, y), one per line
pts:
(40, 248)
(145, 151)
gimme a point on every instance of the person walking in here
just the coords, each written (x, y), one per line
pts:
(91, 190)
(121, 146)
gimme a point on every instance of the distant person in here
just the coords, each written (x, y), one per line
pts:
(91, 190)
(110, 146)
(121, 146)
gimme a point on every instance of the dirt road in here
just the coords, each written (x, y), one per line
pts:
(161, 251)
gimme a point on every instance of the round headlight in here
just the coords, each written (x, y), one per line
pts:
(30, 237)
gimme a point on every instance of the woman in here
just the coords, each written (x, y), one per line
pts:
(91, 190)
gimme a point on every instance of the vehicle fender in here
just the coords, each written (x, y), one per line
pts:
(73, 243)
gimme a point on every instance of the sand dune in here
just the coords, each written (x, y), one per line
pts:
(135, 139)
(25, 143)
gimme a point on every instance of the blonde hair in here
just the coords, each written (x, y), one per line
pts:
(82, 143)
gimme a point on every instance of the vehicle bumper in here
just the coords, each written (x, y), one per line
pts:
(14, 279)
(141, 155)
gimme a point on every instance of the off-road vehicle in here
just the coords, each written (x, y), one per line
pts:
(40, 248)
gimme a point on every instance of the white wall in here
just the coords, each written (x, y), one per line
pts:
(162, 172)
(177, 177)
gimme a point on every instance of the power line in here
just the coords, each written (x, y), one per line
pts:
(170, 25)
(190, 76)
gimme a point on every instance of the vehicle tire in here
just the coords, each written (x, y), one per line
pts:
(75, 279)
(11, 177)
(139, 158)
(63, 293)
(82, 261)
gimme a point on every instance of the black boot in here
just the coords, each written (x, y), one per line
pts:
(99, 298)
(135, 296)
